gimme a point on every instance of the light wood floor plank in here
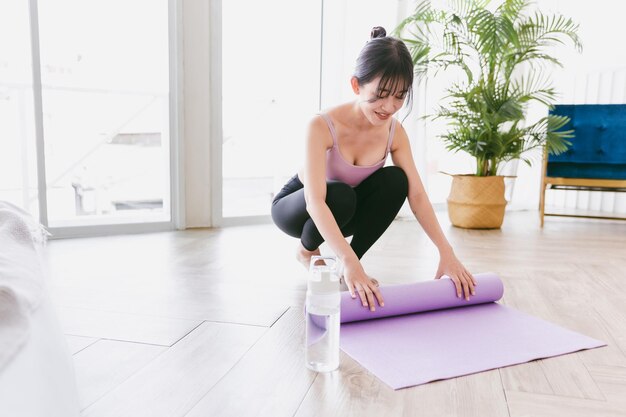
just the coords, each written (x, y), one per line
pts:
(481, 395)
(171, 384)
(353, 391)
(125, 327)
(191, 304)
(609, 374)
(269, 380)
(523, 404)
(106, 364)
(613, 319)
(606, 279)
(78, 343)
(612, 382)
(527, 377)
(569, 377)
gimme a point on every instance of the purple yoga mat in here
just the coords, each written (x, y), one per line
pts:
(425, 333)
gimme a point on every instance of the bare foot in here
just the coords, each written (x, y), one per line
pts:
(304, 256)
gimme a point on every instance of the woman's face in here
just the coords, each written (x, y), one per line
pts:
(379, 105)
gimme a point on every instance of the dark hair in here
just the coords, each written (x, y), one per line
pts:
(389, 58)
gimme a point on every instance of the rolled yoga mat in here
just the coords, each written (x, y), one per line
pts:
(425, 333)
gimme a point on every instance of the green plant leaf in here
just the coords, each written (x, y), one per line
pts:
(486, 112)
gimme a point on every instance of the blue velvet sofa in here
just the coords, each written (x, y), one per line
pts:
(596, 160)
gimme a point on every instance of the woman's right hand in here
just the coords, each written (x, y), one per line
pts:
(359, 282)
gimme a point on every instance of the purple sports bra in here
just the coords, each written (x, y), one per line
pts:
(337, 168)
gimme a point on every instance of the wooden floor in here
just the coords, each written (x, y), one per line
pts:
(209, 322)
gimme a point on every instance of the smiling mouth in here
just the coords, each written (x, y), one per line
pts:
(382, 115)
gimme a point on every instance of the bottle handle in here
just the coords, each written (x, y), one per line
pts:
(332, 265)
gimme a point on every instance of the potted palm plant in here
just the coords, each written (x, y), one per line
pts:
(502, 56)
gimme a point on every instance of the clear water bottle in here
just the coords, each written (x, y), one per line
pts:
(323, 301)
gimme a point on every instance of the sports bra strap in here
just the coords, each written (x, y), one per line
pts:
(331, 127)
(392, 131)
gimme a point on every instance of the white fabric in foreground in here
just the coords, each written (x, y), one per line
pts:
(40, 381)
(21, 277)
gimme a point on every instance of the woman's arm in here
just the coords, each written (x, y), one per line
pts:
(318, 141)
(424, 213)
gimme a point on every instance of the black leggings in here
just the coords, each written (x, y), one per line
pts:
(363, 212)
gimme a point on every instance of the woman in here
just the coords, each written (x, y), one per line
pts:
(344, 189)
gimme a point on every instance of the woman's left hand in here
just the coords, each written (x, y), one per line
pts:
(463, 280)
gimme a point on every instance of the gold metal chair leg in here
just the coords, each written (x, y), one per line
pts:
(542, 203)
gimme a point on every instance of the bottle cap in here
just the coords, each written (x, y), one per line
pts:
(323, 279)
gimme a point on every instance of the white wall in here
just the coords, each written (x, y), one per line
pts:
(196, 113)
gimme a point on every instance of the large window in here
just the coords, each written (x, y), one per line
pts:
(104, 99)
(18, 161)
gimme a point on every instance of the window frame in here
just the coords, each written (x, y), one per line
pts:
(176, 183)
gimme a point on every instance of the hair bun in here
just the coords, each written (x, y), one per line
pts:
(378, 32)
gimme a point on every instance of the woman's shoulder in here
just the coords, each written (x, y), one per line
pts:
(318, 130)
(316, 122)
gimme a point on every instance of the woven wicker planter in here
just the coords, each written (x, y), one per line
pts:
(476, 202)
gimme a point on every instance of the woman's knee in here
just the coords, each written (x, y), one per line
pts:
(287, 219)
(396, 180)
(341, 199)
